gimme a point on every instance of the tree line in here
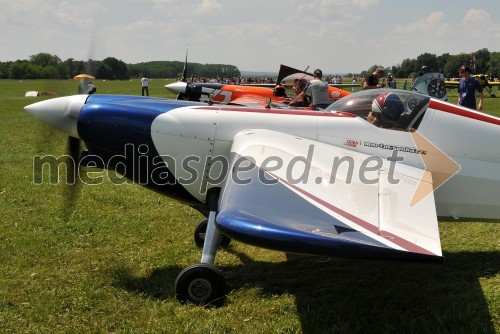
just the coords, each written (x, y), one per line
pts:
(48, 66)
(483, 61)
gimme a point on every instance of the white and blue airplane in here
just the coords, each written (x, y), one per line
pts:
(357, 179)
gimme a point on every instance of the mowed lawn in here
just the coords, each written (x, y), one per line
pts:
(104, 258)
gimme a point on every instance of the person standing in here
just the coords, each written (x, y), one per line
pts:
(372, 80)
(145, 86)
(91, 89)
(319, 91)
(467, 90)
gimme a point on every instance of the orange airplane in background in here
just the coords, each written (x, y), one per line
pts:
(248, 95)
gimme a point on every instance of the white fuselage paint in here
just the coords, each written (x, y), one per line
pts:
(195, 136)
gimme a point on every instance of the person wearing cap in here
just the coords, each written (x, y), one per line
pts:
(319, 91)
(372, 81)
(467, 90)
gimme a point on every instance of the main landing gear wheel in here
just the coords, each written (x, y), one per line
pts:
(200, 284)
(199, 235)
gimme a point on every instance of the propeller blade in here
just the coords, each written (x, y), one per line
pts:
(184, 71)
(73, 152)
(72, 185)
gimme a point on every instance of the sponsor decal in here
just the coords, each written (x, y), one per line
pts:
(404, 149)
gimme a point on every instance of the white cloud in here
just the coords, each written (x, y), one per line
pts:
(431, 24)
(343, 35)
(334, 9)
(186, 9)
(208, 7)
(476, 16)
(353, 4)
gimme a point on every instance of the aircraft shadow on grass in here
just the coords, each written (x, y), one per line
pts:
(346, 295)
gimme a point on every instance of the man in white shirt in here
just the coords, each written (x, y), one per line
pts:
(319, 91)
(145, 86)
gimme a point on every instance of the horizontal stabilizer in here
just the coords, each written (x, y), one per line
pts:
(297, 195)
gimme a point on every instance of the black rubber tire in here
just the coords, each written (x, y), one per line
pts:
(200, 284)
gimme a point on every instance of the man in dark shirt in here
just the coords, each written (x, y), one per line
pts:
(372, 80)
(467, 90)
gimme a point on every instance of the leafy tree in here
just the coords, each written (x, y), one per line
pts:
(112, 68)
(34, 71)
(482, 60)
(105, 72)
(89, 67)
(45, 59)
(18, 70)
(494, 64)
(427, 59)
(442, 60)
(454, 62)
(408, 66)
(4, 70)
(48, 72)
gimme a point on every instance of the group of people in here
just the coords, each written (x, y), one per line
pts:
(315, 92)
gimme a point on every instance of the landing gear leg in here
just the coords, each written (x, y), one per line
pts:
(202, 283)
(200, 232)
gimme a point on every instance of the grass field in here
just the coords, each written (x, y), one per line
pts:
(105, 260)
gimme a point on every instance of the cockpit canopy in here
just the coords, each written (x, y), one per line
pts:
(413, 106)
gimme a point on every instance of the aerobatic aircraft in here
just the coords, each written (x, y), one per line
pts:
(248, 95)
(367, 177)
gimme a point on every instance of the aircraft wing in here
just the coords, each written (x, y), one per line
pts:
(291, 194)
(451, 84)
(454, 83)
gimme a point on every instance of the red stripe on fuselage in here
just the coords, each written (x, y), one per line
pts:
(449, 108)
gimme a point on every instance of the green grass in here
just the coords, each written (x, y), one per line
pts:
(106, 261)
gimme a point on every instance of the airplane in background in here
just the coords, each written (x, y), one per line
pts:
(331, 182)
(252, 95)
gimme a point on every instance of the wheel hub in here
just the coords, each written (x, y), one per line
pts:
(199, 289)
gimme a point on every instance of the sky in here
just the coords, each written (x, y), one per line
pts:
(337, 36)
